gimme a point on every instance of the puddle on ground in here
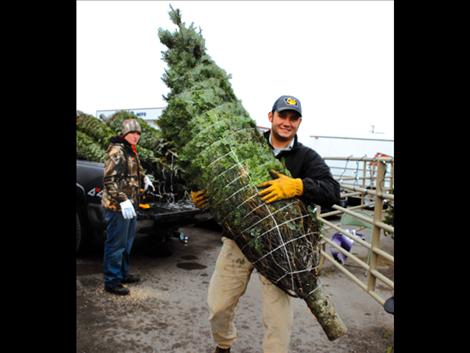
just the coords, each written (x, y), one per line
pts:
(189, 257)
(190, 266)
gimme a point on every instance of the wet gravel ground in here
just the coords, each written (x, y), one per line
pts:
(167, 311)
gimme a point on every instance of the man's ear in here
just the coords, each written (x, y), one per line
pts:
(270, 117)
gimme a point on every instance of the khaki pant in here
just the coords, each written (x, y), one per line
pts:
(228, 283)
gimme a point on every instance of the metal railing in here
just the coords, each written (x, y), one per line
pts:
(374, 170)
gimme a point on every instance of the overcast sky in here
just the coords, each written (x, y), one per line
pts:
(335, 56)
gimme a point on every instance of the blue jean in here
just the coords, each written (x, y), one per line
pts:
(120, 234)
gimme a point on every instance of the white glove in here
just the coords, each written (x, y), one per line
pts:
(127, 209)
(148, 183)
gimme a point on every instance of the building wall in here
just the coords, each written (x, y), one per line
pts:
(150, 115)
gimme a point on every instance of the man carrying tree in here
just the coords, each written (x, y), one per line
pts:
(312, 183)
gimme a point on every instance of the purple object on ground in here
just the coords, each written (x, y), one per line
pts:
(343, 241)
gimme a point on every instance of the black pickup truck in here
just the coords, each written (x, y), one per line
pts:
(161, 220)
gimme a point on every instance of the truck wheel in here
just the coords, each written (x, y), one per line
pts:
(78, 232)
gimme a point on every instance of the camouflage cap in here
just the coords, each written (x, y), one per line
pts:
(130, 125)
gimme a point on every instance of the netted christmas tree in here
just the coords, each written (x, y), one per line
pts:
(221, 150)
(88, 149)
(92, 137)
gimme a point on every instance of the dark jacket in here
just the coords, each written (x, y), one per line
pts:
(123, 175)
(320, 187)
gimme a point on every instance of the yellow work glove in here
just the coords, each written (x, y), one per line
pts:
(283, 187)
(199, 198)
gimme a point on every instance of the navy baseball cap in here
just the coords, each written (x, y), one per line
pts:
(287, 103)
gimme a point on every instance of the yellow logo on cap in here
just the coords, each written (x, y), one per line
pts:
(291, 101)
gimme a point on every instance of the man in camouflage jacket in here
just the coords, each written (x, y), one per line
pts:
(123, 178)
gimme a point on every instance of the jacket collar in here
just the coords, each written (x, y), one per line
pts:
(294, 146)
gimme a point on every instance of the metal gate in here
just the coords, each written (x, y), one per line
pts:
(370, 182)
